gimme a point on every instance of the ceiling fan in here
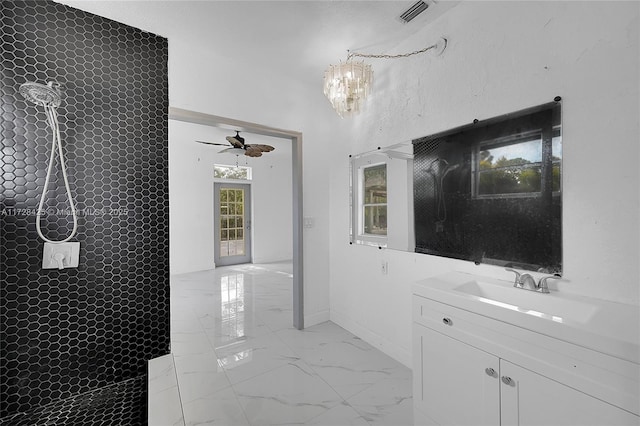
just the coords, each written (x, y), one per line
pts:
(238, 145)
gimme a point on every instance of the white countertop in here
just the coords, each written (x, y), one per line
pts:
(607, 327)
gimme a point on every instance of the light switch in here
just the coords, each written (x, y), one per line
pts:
(308, 222)
(61, 255)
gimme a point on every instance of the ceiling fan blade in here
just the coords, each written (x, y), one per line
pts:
(213, 143)
(251, 151)
(260, 147)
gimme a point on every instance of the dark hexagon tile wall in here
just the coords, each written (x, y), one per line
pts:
(67, 332)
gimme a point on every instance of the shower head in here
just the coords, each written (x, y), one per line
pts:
(40, 94)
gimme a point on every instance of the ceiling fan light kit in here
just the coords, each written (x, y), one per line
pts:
(348, 84)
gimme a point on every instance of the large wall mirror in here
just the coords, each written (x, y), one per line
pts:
(489, 192)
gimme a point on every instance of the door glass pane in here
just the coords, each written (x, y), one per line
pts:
(232, 242)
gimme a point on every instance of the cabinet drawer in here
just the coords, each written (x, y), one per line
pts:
(437, 316)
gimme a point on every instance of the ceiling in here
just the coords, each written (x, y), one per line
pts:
(295, 37)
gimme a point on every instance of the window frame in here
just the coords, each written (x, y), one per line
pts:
(363, 205)
(248, 179)
(358, 165)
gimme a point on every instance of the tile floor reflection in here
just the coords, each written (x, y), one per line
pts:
(238, 361)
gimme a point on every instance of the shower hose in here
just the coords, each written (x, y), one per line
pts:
(52, 118)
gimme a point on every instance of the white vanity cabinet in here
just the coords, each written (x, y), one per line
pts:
(450, 381)
(470, 369)
(530, 399)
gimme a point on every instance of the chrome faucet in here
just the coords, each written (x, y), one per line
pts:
(527, 282)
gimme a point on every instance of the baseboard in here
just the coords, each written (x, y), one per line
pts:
(316, 318)
(400, 355)
(181, 271)
(269, 260)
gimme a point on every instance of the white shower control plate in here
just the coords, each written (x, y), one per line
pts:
(67, 253)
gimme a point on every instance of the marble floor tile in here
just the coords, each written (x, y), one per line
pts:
(239, 361)
(276, 318)
(352, 365)
(309, 341)
(252, 357)
(291, 394)
(340, 415)
(199, 376)
(185, 343)
(388, 402)
(220, 408)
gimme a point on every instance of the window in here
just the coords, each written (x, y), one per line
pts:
(231, 172)
(514, 165)
(374, 200)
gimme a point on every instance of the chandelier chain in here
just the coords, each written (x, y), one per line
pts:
(402, 55)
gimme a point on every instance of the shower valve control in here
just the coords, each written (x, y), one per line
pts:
(61, 255)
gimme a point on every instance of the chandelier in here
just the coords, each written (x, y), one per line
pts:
(348, 84)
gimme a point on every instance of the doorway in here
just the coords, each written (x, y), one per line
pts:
(232, 213)
(296, 166)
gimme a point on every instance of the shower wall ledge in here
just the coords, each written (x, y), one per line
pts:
(164, 403)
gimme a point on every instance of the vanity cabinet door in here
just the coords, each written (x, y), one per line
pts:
(529, 399)
(454, 383)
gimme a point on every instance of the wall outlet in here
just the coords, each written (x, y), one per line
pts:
(384, 267)
(309, 222)
(61, 255)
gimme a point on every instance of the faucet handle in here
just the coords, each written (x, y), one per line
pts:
(516, 283)
(542, 284)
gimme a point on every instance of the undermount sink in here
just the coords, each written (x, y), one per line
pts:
(551, 306)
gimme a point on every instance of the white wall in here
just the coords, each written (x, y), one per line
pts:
(502, 57)
(191, 201)
(272, 202)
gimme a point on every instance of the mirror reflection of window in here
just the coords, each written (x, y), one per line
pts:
(374, 200)
(514, 165)
(511, 168)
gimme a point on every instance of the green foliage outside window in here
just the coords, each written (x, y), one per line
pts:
(512, 174)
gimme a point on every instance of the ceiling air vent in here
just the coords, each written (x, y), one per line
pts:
(416, 9)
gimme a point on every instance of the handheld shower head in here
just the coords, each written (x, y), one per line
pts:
(40, 94)
(50, 96)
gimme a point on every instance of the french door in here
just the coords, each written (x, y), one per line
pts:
(232, 223)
